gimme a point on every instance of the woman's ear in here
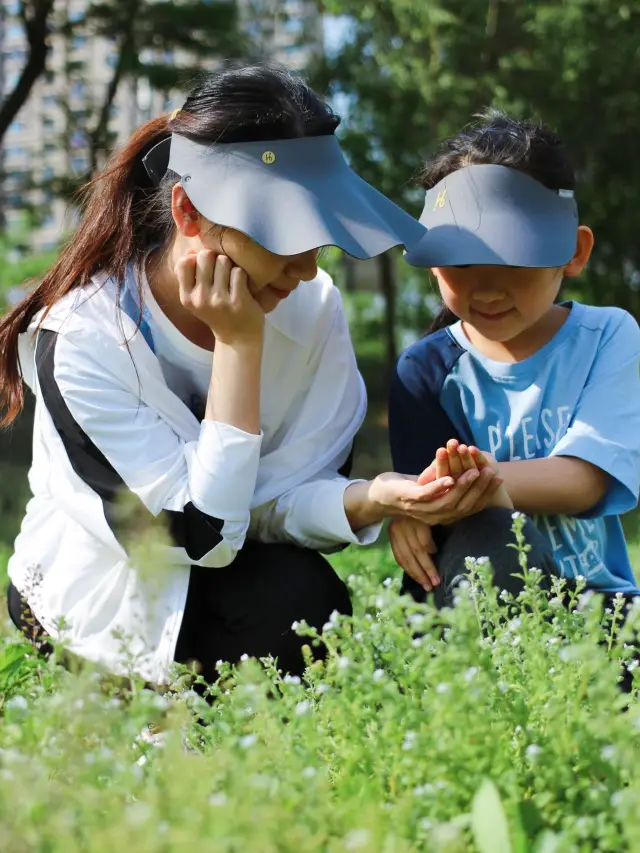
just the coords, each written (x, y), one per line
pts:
(583, 252)
(185, 216)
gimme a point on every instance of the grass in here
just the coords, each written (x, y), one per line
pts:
(485, 728)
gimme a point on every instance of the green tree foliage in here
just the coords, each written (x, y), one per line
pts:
(165, 43)
(415, 73)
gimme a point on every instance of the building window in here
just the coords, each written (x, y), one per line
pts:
(78, 42)
(16, 126)
(78, 89)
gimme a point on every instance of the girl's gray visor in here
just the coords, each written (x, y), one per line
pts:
(290, 195)
(495, 215)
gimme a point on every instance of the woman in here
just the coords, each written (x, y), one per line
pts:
(190, 362)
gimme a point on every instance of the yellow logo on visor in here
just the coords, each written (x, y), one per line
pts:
(442, 195)
(268, 157)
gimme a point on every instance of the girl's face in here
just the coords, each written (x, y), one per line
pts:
(501, 303)
(271, 277)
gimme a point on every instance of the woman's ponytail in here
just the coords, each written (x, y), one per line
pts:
(116, 227)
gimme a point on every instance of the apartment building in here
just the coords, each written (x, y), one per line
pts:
(47, 143)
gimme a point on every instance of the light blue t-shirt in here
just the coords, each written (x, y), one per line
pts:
(577, 396)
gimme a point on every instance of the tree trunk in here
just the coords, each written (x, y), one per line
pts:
(35, 16)
(98, 136)
(388, 287)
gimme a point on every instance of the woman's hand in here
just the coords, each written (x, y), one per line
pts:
(217, 293)
(412, 545)
(435, 502)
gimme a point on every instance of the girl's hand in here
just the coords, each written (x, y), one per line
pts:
(412, 545)
(455, 460)
(217, 293)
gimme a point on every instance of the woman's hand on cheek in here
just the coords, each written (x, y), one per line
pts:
(217, 293)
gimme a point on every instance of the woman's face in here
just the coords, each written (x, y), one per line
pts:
(271, 277)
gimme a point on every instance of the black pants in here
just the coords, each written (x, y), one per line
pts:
(245, 608)
(249, 607)
(485, 534)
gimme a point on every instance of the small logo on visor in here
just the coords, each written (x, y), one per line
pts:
(268, 157)
(442, 195)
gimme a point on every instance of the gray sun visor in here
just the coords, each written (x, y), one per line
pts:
(290, 195)
(495, 215)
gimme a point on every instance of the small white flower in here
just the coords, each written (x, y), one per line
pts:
(292, 679)
(343, 663)
(482, 561)
(443, 687)
(533, 751)
(535, 571)
(581, 579)
(409, 740)
(416, 642)
(356, 839)
(633, 665)
(378, 675)
(78, 704)
(471, 673)
(218, 799)
(426, 824)
(617, 798)
(137, 813)
(619, 596)
(608, 753)
(142, 761)
(247, 741)
(416, 620)
(502, 687)
(380, 602)
(504, 595)
(295, 625)
(219, 665)
(160, 703)
(17, 703)
(358, 636)
(303, 708)
(387, 582)
(309, 772)
(322, 688)
(244, 658)
(516, 515)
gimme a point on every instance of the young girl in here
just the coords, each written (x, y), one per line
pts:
(190, 363)
(550, 390)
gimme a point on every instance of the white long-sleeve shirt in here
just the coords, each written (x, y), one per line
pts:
(116, 448)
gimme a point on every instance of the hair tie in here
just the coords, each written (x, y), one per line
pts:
(175, 113)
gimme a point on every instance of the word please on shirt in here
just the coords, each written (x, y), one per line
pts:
(523, 437)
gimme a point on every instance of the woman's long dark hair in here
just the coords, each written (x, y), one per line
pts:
(495, 139)
(126, 214)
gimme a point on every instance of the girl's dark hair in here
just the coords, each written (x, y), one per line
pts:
(495, 139)
(125, 214)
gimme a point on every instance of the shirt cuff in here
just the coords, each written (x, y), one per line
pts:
(330, 520)
(224, 469)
